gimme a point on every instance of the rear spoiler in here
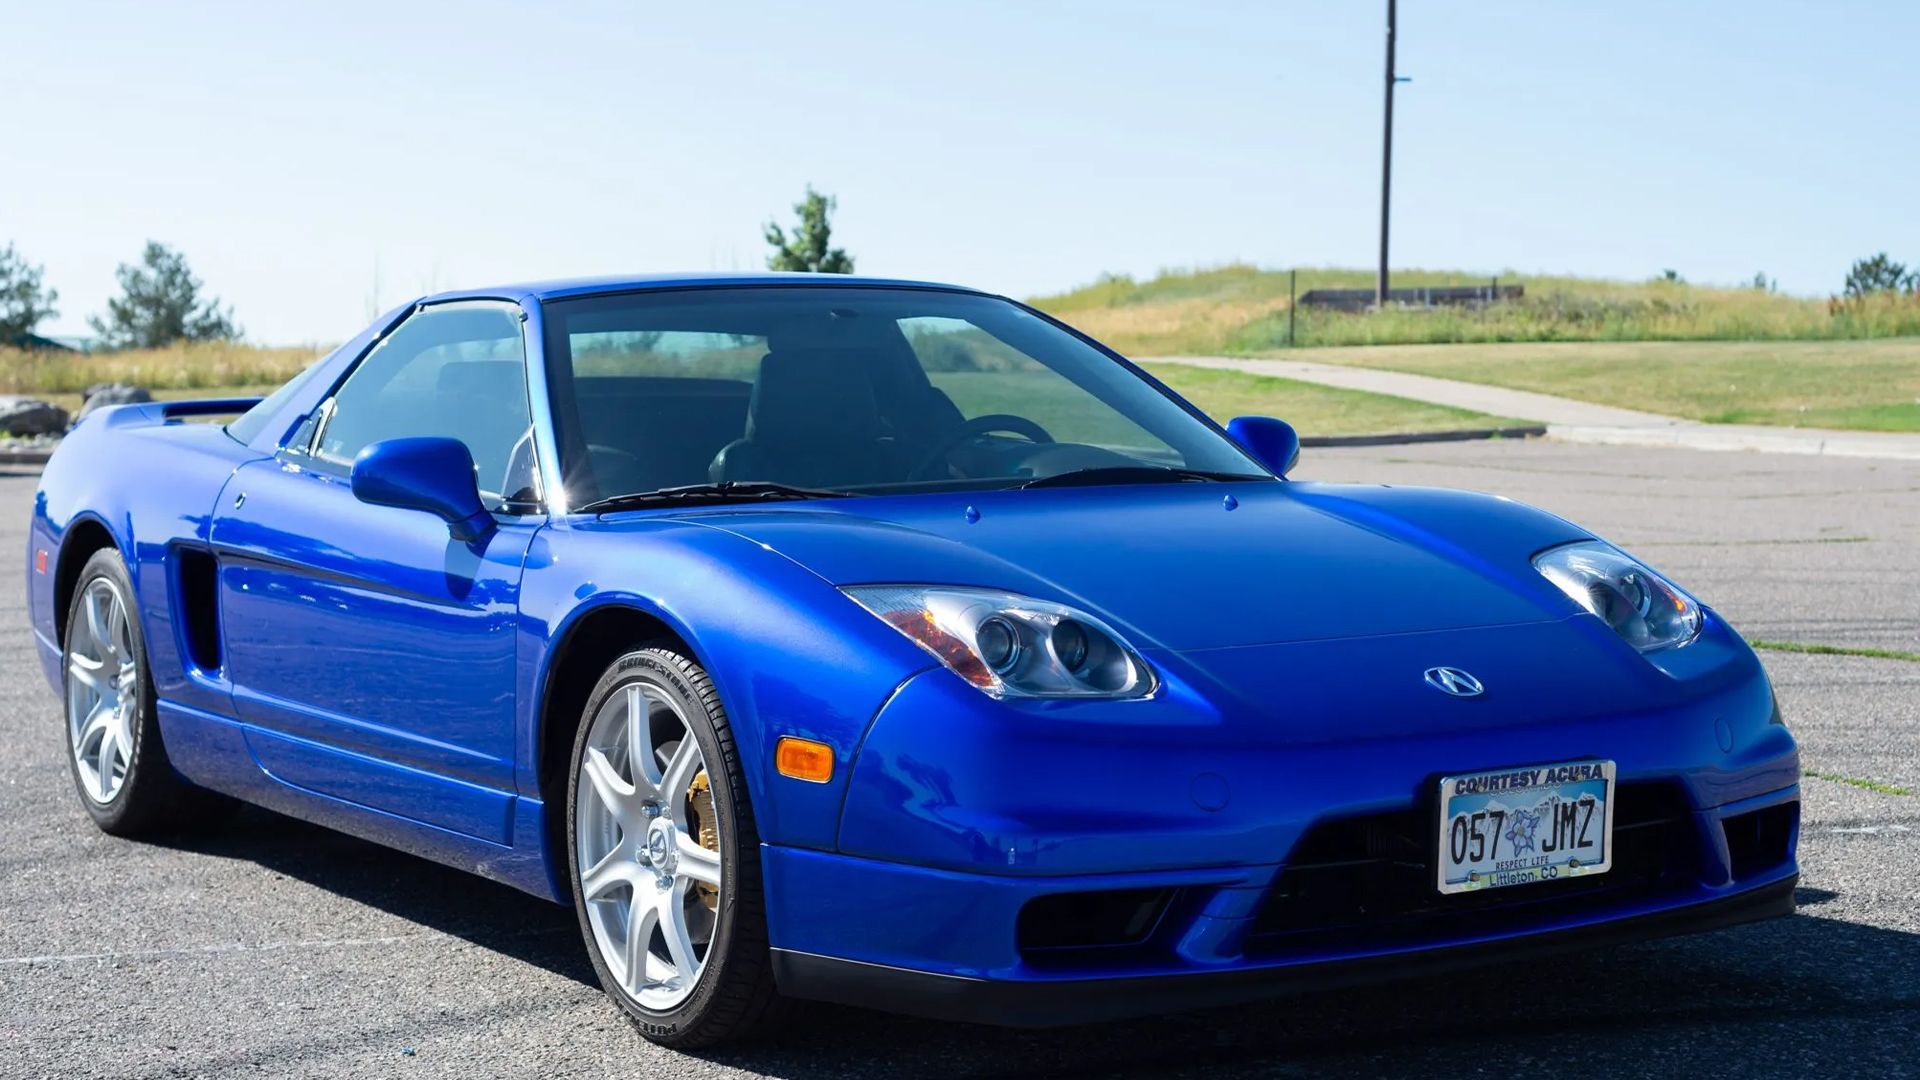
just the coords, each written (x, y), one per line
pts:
(180, 410)
(144, 413)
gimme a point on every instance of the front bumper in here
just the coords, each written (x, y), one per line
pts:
(952, 944)
(1033, 1003)
(1270, 812)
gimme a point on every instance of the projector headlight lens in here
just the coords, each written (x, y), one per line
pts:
(1009, 645)
(1646, 609)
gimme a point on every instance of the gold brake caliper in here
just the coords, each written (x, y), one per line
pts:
(707, 829)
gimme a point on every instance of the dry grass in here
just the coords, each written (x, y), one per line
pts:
(207, 366)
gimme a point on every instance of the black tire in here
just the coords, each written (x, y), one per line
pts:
(734, 997)
(153, 798)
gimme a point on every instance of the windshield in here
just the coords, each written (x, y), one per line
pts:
(848, 388)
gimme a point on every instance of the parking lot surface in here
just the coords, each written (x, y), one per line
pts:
(273, 948)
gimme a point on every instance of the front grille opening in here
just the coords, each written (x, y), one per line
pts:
(1369, 880)
(1760, 840)
(1114, 919)
(199, 608)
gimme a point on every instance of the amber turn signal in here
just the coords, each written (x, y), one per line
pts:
(804, 759)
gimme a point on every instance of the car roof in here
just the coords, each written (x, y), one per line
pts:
(587, 286)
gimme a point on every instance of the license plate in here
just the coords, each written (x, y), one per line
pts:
(1516, 826)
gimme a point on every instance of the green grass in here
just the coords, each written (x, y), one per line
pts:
(1312, 409)
(1837, 650)
(1855, 781)
(1241, 309)
(1861, 385)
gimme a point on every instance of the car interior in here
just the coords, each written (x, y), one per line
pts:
(841, 415)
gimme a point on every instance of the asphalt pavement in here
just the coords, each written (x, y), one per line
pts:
(272, 948)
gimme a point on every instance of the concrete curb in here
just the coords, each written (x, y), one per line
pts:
(1531, 431)
(1695, 436)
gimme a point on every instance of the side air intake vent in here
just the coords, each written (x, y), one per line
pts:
(199, 606)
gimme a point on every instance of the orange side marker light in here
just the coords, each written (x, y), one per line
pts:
(804, 759)
(40, 561)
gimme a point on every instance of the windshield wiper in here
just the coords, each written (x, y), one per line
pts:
(726, 491)
(1134, 474)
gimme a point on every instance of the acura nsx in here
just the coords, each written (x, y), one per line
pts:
(895, 645)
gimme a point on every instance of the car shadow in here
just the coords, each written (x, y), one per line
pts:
(1806, 994)
(455, 902)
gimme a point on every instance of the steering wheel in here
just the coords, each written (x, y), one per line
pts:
(614, 470)
(973, 429)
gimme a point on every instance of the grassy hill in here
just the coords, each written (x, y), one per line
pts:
(1715, 354)
(1242, 309)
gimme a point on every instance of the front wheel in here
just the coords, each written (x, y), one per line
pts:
(119, 763)
(665, 858)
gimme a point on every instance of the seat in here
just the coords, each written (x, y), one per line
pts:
(812, 421)
(483, 403)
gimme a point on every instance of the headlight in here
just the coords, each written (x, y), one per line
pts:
(1644, 607)
(1010, 645)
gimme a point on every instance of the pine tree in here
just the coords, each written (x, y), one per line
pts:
(810, 248)
(160, 304)
(23, 301)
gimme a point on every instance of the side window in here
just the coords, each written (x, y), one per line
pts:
(455, 370)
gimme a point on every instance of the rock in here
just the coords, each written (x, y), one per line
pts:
(30, 416)
(101, 395)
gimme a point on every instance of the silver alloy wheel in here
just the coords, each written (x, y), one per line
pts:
(103, 690)
(651, 887)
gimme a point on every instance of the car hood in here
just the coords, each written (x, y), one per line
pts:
(1195, 566)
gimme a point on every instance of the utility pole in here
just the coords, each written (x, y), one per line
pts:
(1386, 158)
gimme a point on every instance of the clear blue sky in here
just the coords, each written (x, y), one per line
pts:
(313, 159)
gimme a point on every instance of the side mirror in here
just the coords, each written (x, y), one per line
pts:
(1272, 443)
(429, 473)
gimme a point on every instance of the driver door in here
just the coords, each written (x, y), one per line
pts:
(372, 655)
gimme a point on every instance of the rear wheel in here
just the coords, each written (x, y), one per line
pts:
(119, 763)
(665, 858)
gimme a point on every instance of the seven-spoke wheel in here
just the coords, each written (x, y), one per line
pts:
(103, 690)
(651, 884)
(665, 857)
(119, 762)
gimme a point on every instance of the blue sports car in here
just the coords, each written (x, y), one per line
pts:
(892, 644)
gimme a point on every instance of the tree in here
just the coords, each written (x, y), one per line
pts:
(1763, 283)
(1879, 274)
(160, 304)
(808, 249)
(23, 302)
(1671, 277)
